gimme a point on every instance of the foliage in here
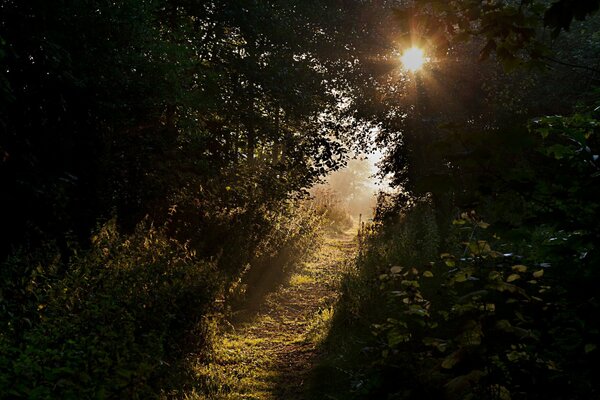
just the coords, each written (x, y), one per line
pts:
(479, 321)
(113, 320)
(211, 119)
(328, 204)
(117, 109)
(106, 323)
(513, 31)
(208, 119)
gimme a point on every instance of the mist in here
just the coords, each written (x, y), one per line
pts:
(355, 186)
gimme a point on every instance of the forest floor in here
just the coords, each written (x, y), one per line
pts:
(268, 351)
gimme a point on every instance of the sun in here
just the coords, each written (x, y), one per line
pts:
(413, 59)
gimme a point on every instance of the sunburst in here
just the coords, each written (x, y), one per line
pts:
(413, 59)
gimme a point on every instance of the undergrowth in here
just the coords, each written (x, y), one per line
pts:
(119, 319)
(469, 317)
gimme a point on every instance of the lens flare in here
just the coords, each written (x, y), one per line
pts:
(413, 59)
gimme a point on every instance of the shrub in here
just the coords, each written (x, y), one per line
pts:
(479, 321)
(108, 321)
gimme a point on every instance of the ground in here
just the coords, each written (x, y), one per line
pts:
(267, 352)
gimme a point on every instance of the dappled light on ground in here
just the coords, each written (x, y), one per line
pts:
(271, 355)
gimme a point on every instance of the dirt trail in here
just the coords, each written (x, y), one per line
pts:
(270, 356)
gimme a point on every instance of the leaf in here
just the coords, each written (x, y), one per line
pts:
(472, 334)
(457, 387)
(396, 269)
(504, 325)
(415, 309)
(439, 344)
(519, 268)
(396, 337)
(409, 283)
(500, 392)
(507, 287)
(453, 359)
(461, 277)
(558, 151)
(513, 277)
(494, 276)
(428, 274)
(514, 355)
(483, 225)
(538, 274)
(477, 293)
(589, 348)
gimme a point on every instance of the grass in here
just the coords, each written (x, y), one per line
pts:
(272, 354)
(301, 279)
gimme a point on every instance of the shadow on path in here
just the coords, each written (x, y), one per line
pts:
(272, 346)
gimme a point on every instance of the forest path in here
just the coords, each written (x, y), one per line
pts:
(271, 356)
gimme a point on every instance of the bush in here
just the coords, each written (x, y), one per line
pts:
(116, 320)
(479, 321)
(106, 323)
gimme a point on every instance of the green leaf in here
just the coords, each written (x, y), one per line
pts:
(589, 348)
(439, 344)
(453, 359)
(483, 225)
(504, 325)
(395, 337)
(408, 283)
(461, 277)
(558, 151)
(513, 277)
(458, 386)
(396, 269)
(494, 276)
(519, 268)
